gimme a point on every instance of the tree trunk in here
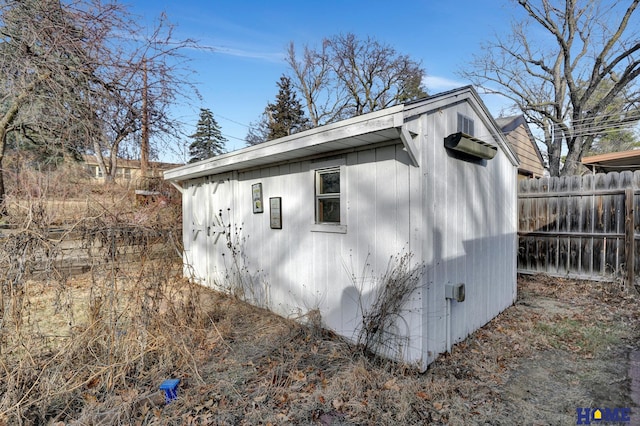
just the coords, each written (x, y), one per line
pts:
(5, 122)
(570, 164)
(3, 197)
(554, 151)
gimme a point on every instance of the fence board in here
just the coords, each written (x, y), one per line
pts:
(583, 226)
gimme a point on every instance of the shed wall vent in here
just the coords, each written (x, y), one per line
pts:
(469, 145)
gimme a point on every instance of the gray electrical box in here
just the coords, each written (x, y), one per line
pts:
(454, 292)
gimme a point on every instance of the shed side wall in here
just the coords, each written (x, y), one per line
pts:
(471, 210)
(295, 270)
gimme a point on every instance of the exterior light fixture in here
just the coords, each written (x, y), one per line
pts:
(471, 146)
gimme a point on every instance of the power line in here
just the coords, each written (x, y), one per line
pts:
(233, 137)
(586, 130)
(233, 121)
(223, 134)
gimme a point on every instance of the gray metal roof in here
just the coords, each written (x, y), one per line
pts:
(379, 126)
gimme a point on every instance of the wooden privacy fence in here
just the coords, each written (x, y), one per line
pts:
(580, 226)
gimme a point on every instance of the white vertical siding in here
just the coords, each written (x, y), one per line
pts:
(471, 212)
(456, 216)
(195, 239)
(204, 200)
(294, 270)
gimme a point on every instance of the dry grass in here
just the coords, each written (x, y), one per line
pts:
(273, 371)
(66, 196)
(68, 346)
(93, 348)
(243, 365)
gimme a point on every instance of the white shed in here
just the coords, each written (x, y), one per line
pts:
(307, 222)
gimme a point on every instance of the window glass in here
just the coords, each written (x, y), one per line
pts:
(328, 196)
(329, 210)
(330, 183)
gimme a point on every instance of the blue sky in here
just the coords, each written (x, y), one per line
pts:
(238, 77)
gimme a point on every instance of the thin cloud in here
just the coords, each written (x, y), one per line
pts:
(267, 56)
(436, 84)
(241, 53)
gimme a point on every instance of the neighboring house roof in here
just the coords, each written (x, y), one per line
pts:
(614, 161)
(378, 126)
(519, 135)
(132, 164)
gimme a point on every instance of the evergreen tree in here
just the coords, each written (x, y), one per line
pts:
(615, 140)
(207, 140)
(286, 116)
(282, 118)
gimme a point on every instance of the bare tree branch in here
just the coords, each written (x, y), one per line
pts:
(348, 76)
(565, 67)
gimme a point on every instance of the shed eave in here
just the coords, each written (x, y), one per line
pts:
(468, 93)
(359, 131)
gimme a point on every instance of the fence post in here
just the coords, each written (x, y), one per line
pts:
(629, 236)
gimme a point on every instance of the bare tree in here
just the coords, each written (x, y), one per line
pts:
(348, 76)
(621, 135)
(44, 62)
(563, 66)
(82, 74)
(375, 75)
(140, 78)
(314, 79)
(258, 130)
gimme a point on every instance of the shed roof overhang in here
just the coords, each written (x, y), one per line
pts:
(385, 125)
(376, 127)
(614, 161)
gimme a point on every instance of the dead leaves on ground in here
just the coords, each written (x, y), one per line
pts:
(279, 373)
(468, 379)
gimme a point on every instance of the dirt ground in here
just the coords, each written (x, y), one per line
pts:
(585, 339)
(563, 345)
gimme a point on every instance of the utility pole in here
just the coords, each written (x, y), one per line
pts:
(144, 143)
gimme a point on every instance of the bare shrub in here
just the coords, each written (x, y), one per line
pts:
(240, 279)
(98, 347)
(63, 192)
(377, 331)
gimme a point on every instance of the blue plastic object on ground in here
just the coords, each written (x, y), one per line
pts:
(170, 388)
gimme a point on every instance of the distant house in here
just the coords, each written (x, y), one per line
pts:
(613, 161)
(126, 170)
(309, 222)
(518, 134)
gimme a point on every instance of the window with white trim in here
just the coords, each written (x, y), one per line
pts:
(328, 196)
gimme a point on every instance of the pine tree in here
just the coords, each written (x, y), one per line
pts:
(286, 116)
(282, 118)
(207, 140)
